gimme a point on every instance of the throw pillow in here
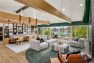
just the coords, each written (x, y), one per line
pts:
(76, 39)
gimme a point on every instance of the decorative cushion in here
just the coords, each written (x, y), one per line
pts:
(40, 39)
(76, 39)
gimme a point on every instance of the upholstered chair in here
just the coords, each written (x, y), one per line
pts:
(79, 43)
(72, 58)
(36, 45)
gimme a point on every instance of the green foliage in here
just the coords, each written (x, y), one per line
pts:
(80, 32)
(61, 33)
(41, 32)
(47, 32)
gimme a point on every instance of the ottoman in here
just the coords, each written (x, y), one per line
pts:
(51, 41)
(63, 48)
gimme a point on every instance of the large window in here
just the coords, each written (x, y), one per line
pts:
(65, 31)
(80, 31)
(45, 31)
(59, 31)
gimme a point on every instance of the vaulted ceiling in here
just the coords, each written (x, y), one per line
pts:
(71, 8)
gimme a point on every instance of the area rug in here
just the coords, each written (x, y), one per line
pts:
(19, 48)
(42, 56)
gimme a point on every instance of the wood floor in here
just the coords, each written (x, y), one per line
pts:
(8, 56)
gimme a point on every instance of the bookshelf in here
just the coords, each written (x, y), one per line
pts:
(1, 33)
(20, 29)
(6, 32)
(14, 29)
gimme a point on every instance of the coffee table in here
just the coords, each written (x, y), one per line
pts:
(63, 48)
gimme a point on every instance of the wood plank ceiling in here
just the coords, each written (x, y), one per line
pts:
(44, 6)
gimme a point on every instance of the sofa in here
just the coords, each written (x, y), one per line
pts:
(79, 43)
(51, 41)
(45, 38)
(36, 45)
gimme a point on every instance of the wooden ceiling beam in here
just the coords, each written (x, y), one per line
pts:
(8, 21)
(39, 21)
(18, 18)
(11, 22)
(45, 22)
(8, 16)
(43, 5)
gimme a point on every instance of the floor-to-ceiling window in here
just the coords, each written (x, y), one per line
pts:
(80, 31)
(65, 31)
(77, 31)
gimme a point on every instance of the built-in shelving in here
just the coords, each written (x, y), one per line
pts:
(20, 29)
(14, 28)
(6, 32)
(1, 33)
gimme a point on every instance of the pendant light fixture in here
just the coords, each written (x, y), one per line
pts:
(8, 22)
(36, 22)
(19, 19)
(29, 21)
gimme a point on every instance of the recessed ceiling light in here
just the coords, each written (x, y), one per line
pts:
(81, 4)
(63, 9)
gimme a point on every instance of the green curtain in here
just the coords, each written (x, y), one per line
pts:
(86, 11)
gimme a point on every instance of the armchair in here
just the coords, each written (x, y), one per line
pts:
(36, 45)
(72, 58)
(12, 40)
(80, 43)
